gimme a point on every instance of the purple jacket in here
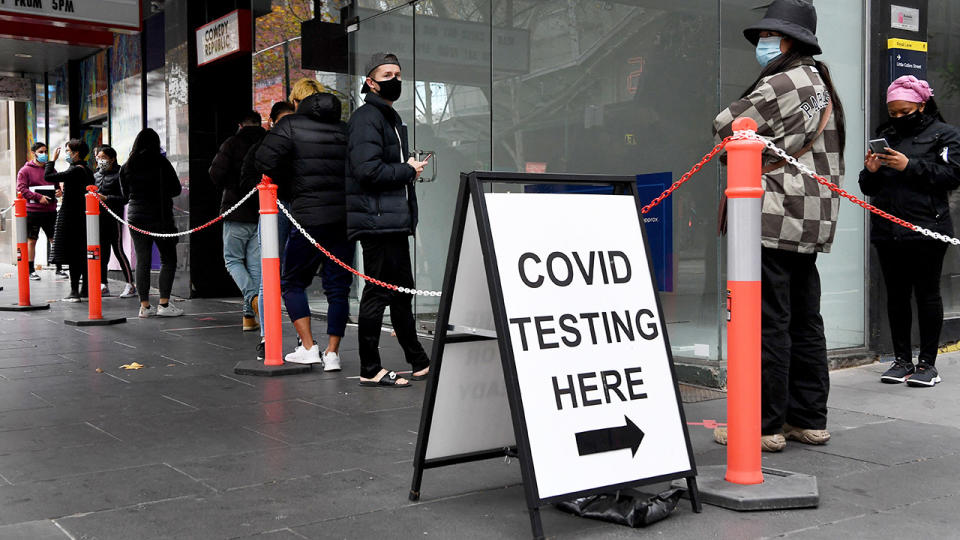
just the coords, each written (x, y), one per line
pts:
(31, 175)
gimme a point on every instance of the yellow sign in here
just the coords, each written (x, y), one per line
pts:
(910, 45)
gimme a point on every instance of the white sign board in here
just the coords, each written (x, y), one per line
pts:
(219, 38)
(120, 14)
(593, 370)
(16, 89)
(905, 18)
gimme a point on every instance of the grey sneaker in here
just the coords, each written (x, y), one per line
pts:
(806, 436)
(129, 291)
(149, 311)
(169, 311)
(34, 276)
(925, 376)
(900, 370)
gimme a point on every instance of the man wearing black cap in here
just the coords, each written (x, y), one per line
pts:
(382, 214)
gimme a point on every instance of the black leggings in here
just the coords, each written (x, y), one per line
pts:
(143, 246)
(912, 268)
(111, 239)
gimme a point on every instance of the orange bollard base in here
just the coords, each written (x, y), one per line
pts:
(259, 369)
(780, 490)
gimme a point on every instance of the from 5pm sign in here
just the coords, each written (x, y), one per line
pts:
(121, 15)
(223, 37)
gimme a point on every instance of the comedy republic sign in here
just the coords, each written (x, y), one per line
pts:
(223, 37)
(569, 300)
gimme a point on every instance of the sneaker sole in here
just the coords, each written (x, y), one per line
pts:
(308, 362)
(331, 370)
(934, 381)
(893, 380)
(806, 440)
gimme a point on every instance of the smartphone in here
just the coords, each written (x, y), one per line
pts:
(879, 146)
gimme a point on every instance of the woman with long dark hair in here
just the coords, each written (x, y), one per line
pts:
(70, 231)
(796, 106)
(111, 230)
(912, 179)
(149, 183)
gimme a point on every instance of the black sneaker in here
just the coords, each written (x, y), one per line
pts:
(261, 350)
(899, 371)
(926, 375)
(72, 297)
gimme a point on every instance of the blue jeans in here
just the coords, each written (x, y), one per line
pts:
(300, 264)
(283, 228)
(241, 254)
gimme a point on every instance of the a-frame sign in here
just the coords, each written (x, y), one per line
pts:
(551, 344)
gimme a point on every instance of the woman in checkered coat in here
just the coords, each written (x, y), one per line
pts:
(795, 105)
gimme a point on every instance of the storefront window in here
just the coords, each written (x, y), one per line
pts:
(126, 110)
(58, 111)
(943, 72)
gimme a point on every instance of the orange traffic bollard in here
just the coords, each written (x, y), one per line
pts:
(273, 363)
(23, 260)
(95, 300)
(745, 194)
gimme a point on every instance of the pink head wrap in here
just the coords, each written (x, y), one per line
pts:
(909, 88)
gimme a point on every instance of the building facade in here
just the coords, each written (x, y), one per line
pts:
(625, 87)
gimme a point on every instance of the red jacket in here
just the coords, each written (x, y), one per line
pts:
(31, 175)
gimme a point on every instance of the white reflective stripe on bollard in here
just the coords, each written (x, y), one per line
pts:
(93, 230)
(743, 235)
(269, 237)
(21, 223)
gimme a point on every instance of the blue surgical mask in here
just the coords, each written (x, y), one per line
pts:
(768, 49)
(68, 159)
(42, 158)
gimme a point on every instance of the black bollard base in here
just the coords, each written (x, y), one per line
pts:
(18, 307)
(259, 369)
(780, 490)
(95, 322)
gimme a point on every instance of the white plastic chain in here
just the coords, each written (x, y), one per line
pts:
(806, 170)
(181, 233)
(5, 210)
(405, 290)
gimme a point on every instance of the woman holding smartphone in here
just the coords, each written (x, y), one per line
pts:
(912, 179)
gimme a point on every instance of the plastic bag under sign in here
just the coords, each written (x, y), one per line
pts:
(630, 508)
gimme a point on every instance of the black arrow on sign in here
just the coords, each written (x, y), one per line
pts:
(610, 439)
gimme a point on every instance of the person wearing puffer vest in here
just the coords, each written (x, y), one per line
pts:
(306, 153)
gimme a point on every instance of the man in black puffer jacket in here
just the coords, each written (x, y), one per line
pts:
(307, 151)
(382, 214)
(241, 247)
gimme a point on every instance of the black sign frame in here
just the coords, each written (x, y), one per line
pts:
(472, 188)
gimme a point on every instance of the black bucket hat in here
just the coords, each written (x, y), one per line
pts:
(377, 60)
(796, 19)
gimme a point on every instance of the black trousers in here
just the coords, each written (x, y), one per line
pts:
(143, 247)
(387, 258)
(912, 268)
(795, 375)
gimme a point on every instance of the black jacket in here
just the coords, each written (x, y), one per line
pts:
(380, 185)
(306, 154)
(225, 171)
(149, 186)
(920, 193)
(70, 230)
(108, 185)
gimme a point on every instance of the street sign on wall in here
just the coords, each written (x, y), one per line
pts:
(224, 37)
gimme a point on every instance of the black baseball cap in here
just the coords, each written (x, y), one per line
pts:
(377, 60)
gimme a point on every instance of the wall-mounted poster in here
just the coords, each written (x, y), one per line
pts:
(94, 88)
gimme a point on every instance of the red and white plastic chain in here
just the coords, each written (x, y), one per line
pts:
(182, 233)
(5, 210)
(836, 189)
(696, 168)
(368, 279)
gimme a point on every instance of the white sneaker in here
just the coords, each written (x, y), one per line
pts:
(331, 361)
(150, 311)
(305, 356)
(129, 291)
(169, 311)
(104, 290)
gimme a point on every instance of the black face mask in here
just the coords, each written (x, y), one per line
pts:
(908, 123)
(390, 89)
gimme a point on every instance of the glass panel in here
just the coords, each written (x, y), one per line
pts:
(943, 72)
(58, 111)
(126, 110)
(172, 124)
(276, 57)
(588, 87)
(451, 119)
(840, 31)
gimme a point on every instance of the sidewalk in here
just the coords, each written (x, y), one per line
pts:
(186, 449)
